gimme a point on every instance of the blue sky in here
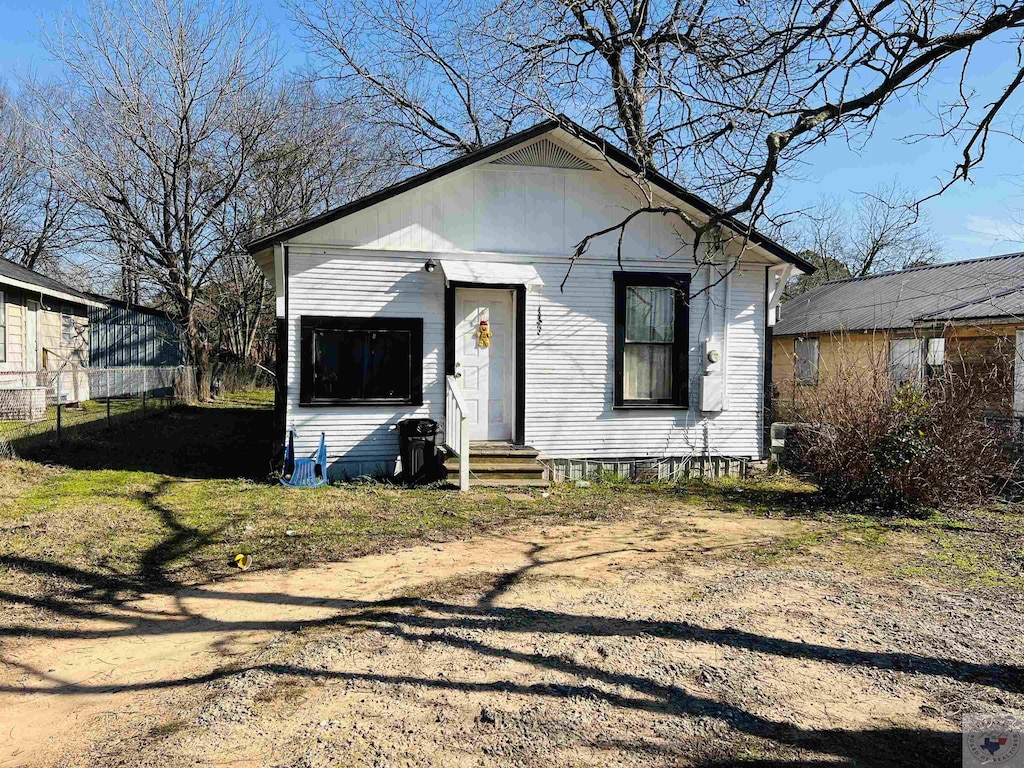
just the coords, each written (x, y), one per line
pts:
(971, 220)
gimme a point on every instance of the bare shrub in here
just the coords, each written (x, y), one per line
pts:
(903, 447)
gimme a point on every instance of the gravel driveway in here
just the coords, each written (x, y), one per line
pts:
(655, 641)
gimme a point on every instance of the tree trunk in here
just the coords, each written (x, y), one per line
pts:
(201, 361)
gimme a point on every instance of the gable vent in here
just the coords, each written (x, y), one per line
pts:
(544, 154)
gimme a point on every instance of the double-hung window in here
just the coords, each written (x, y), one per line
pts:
(916, 360)
(361, 361)
(651, 339)
(935, 358)
(67, 329)
(805, 361)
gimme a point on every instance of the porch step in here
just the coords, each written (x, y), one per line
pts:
(492, 467)
(499, 464)
(502, 451)
(485, 482)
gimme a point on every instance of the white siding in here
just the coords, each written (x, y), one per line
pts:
(569, 360)
(360, 285)
(499, 209)
(371, 263)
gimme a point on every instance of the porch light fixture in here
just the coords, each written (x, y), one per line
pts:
(430, 266)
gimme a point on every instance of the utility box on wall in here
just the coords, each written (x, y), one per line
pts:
(711, 396)
(712, 383)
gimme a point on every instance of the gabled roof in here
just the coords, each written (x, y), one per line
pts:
(561, 122)
(27, 279)
(989, 288)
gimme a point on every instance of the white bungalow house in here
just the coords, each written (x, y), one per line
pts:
(441, 297)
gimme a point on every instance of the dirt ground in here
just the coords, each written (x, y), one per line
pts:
(662, 640)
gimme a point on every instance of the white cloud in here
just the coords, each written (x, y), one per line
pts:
(989, 232)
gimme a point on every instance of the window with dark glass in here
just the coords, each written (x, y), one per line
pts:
(361, 361)
(651, 332)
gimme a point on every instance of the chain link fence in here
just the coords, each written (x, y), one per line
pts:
(46, 407)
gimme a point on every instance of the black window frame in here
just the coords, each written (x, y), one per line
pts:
(680, 399)
(310, 324)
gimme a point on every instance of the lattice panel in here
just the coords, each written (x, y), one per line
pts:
(544, 154)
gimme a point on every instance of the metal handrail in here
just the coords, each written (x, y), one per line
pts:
(456, 428)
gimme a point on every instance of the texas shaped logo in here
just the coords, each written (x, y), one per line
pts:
(992, 746)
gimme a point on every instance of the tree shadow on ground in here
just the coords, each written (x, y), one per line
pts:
(184, 441)
(453, 625)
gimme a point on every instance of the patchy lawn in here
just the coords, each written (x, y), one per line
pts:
(693, 624)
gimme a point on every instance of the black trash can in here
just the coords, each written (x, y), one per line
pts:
(418, 449)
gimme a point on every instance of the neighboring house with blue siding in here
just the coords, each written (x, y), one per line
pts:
(124, 335)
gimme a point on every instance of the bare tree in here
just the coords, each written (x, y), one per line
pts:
(37, 224)
(723, 97)
(318, 153)
(421, 72)
(882, 231)
(163, 107)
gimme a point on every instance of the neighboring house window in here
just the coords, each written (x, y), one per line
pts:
(916, 360)
(651, 335)
(906, 360)
(936, 358)
(67, 329)
(805, 361)
(3, 327)
(361, 361)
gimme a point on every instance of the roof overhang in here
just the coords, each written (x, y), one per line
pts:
(51, 292)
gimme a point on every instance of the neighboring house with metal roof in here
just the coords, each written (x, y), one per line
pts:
(912, 324)
(441, 297)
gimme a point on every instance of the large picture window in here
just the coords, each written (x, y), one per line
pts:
(651, 334)
(361, 361)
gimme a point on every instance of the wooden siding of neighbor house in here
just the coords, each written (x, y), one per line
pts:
(52, 338)
(49, 334)
(853, 355)
(130, 337)
(371, 264)
(15, 329)
(984, 352)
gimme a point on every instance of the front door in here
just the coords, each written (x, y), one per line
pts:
(32, 336)
(485, 360)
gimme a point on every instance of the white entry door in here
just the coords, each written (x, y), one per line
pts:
(486, 367)
(32, 336)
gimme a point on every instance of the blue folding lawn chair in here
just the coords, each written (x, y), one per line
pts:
(304, 473)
